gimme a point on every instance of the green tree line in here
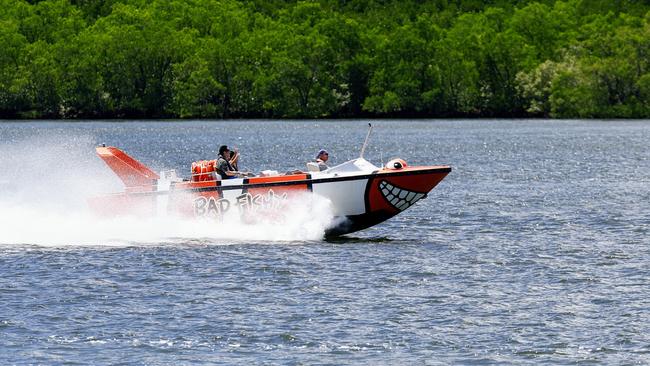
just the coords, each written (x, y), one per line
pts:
(324, 58)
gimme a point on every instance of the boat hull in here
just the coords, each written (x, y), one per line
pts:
(358, 201)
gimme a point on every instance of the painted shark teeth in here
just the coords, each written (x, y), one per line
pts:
(400, 198)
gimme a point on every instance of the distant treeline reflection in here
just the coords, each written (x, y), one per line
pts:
(324, 58)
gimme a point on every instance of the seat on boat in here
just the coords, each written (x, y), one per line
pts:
(313, 167)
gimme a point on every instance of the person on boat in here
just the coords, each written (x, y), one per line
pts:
(321, 159)
(234, 158)
(224, 164)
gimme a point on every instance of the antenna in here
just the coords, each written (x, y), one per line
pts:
(365, 143)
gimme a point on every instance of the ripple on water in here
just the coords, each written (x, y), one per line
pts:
(534, 250)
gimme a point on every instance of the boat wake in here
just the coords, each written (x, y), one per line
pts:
(29, 225)
(43, 202)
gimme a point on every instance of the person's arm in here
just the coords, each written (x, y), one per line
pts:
(234, 158)
(236, 173)
(231, 173)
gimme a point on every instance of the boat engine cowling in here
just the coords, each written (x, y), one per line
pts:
(396, 164)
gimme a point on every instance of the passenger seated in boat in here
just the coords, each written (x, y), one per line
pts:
(321, 159)
(317, 165)
(234, 158)
(224, 165)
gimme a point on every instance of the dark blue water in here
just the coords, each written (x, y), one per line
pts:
(534, 250)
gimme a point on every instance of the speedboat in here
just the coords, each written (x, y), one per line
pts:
(361, 194)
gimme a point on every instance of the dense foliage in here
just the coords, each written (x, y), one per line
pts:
(325, 58)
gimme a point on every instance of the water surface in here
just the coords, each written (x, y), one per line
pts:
(534, 250)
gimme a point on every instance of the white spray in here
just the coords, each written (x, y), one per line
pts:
(45, 184)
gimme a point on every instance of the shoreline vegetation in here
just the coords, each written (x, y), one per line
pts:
(324, 59)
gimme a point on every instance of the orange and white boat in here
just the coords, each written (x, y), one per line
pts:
(361, 194)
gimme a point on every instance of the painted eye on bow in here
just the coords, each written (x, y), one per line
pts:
(396, 164)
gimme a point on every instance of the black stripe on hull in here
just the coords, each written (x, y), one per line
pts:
(245, 186)
(348, 224)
